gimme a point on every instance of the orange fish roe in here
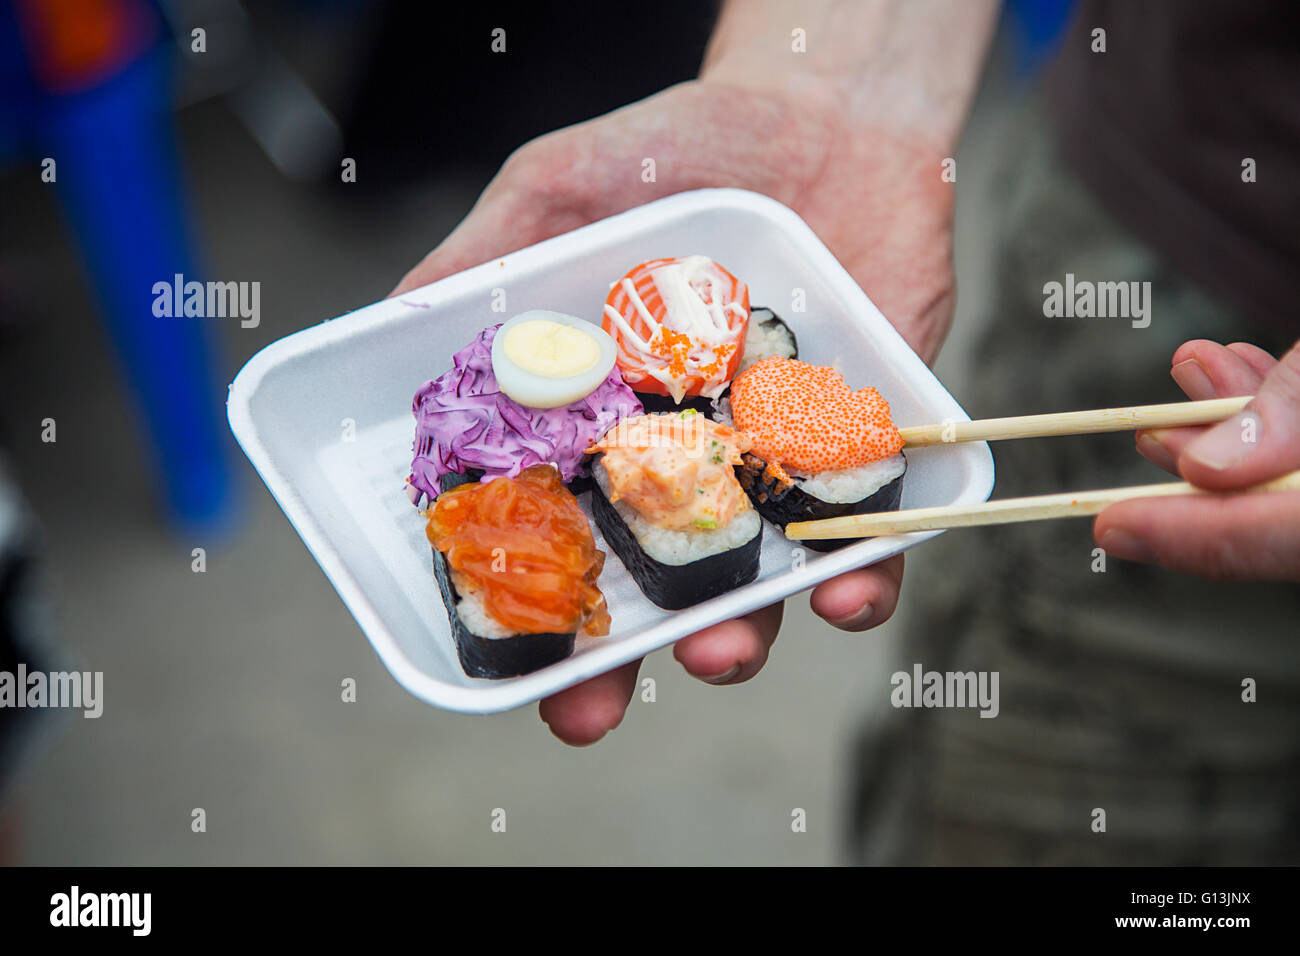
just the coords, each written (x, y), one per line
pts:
(805, 417)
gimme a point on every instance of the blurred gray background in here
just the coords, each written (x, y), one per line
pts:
(222, 689)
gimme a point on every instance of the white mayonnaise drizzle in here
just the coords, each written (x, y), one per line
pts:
(685, 311)
(684, 308)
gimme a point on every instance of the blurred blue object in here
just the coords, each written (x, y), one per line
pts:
(1037, 26)
(119, 179)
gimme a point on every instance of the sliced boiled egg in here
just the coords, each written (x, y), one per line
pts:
(548, 359)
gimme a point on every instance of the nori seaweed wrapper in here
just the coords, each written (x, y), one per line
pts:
(577, 486)
(675, 586)
(494, 658)
(664, 403)
(489, 657)
(782, 502)
(451, 479)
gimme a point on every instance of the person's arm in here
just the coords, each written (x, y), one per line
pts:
(1253, 536)
(909, 66)
(897, 78)
(851, 134)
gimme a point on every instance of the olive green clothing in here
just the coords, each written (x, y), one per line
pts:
(1119, 689)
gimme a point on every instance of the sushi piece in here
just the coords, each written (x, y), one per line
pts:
(666, 498)
(819, 450)
(470, 420)
(517, 564)
(768, 335)
(680, 325)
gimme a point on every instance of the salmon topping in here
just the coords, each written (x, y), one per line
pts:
(524, 546)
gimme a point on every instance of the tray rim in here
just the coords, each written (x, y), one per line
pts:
(495, 697)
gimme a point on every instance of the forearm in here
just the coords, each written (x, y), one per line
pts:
(909, 66)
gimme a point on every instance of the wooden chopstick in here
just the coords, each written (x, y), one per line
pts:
(1076, 423)
(1006, 511)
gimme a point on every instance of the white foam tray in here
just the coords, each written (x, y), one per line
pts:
(289, 408)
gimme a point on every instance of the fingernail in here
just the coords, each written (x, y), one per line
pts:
(722, 678)
(857, 620)
(1191, 378)
(1227, 443)
(1126, 546)
(1150, 447)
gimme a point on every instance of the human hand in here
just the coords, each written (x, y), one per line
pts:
(862, 167)
(704, 134)
(1247, 536)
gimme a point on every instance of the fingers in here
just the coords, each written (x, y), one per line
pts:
(495, 227)
(1161, 446)
(731, 652)
(1258, 443)
(728, 653)
(1230, 537)
(582, 714)
(860, 599)
(1252, 536)
(1204, 370)
(1261, 361)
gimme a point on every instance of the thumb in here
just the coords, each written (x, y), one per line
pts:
(1258, 443)
(530, 199)
(498, 224)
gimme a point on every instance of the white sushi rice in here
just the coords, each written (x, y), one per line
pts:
(765, 339)
(851, 484)
(474, 613)
(682, 547)
(722, 410)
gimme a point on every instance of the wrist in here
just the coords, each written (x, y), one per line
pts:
(901, 67)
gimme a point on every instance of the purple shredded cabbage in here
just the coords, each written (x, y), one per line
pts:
(463, 420)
